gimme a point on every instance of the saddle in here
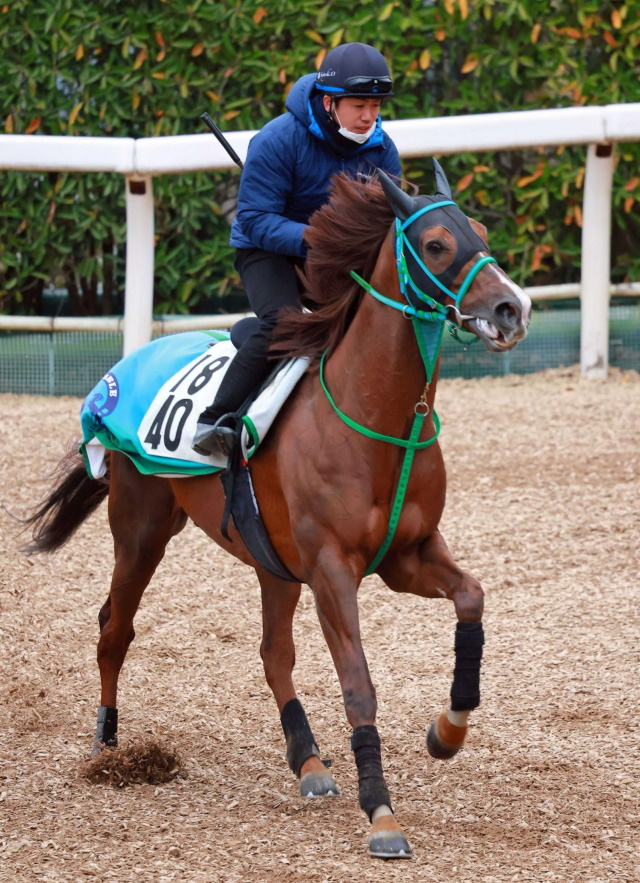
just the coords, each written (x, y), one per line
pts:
(146, 407)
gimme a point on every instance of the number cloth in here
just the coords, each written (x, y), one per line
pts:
(147, 405)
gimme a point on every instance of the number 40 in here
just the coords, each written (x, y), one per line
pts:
(164, 432)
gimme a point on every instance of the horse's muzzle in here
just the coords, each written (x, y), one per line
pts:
(501, 327)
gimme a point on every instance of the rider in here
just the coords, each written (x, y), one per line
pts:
(332, 124)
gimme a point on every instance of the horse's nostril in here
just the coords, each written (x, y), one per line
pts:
(508, 313)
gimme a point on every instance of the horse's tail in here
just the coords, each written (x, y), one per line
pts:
(68, 504)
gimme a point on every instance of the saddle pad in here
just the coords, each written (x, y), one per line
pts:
(148, 404)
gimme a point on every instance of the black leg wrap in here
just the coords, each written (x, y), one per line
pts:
(465, 690)
(373, 791)
(107, 727)
(300, 742)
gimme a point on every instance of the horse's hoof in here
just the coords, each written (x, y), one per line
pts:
(444, 740)
(106, 735)
(389, 844)
(317, 784)
(98, 747)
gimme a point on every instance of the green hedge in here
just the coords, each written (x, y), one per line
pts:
(151, 68)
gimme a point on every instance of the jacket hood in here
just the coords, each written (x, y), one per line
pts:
(297, 101)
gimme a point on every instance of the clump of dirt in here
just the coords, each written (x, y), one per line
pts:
(145, 762)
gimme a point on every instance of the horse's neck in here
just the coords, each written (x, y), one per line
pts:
(376, 373)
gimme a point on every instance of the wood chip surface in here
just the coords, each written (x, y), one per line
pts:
(543, 508)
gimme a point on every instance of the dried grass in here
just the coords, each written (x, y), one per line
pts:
(145, 762)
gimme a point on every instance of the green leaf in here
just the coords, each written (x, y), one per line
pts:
(240, 63)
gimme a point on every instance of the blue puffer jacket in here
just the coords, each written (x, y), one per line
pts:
(286, 177)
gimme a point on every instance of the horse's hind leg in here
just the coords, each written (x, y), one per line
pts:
(279, 601)
(143, 516)
(431, 572)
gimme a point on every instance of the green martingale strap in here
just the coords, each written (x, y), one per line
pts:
(409, 443)
(403, 483)
(429, 338)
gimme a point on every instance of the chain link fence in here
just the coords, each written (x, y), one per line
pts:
(71, 363)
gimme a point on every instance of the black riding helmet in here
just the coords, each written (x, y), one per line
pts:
(355, 70)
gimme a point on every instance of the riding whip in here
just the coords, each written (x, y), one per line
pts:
(216, 131)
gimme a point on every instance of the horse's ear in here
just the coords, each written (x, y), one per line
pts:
(442, 185)
(400, 202)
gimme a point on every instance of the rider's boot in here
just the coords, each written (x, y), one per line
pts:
(215, 435)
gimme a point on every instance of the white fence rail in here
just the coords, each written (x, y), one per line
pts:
(139, 160)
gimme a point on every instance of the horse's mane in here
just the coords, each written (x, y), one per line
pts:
(345, 234)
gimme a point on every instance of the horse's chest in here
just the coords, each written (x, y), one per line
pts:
(424, 499)
(357, 483)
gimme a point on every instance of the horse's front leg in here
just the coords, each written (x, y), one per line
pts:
(334, 581)
(279, 602)
(429, 570)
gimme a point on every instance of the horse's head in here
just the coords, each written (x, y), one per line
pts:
(444, 263)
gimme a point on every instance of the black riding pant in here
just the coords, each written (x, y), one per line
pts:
(271, 283)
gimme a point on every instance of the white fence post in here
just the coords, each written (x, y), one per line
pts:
(138, 291)
(596, 262)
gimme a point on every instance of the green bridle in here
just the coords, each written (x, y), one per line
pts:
(438, 311)
(428, 326)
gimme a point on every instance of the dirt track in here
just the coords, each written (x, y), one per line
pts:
(544, 485)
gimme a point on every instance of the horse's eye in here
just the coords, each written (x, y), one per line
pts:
(434, 247)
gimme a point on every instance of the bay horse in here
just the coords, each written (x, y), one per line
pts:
(350, 480)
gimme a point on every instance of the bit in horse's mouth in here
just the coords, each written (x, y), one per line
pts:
(488, 331)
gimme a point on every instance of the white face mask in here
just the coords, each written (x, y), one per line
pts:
(358, 137)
